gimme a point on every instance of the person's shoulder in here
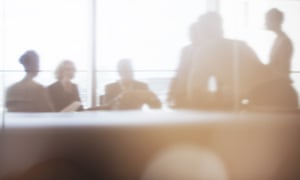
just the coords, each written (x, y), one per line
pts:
(74, 84)
(140, 83)
(235, 42)
(284, 38)
(187, 48)
(241, 45)
(37, 85)
(111, 85)
(13, 87)
(53, 85)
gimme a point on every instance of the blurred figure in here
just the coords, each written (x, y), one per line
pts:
(127, 93)
(177, 96)
(63, 92)
(28, 95)
(222, 71)
(278, 93)
(282, 50)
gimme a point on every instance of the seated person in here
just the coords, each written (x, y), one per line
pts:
(28, 95)
(63, 92)
(128, 93)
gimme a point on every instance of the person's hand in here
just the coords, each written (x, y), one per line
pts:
(145, 95)
(128, 100)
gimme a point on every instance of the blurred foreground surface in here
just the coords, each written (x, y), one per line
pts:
(150, 145)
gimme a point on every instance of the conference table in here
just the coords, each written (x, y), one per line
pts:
(155, 144)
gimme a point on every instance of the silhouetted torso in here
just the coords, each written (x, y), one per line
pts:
(178, 91)
(281, 55)
(62, 98)
(27, 96)
(131, 96)
(234, 65)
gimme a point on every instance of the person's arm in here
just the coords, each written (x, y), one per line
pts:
(108, 95)
(52, 95)
(77, 97)
(110, 98)
(177, 89)
(153, 101)
(148, 97)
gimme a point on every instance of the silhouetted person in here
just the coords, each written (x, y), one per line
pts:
(277, 94)
(177, 96)
(28, 95)
(63, 92)
(231, 67)
(128, 93)
(282, 50)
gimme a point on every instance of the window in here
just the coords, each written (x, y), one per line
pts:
(244, 19)
(2, 35)
(150, 32)
(56, 29)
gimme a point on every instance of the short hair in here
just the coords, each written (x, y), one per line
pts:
(28, 59)
(61, 68)
(276, 15)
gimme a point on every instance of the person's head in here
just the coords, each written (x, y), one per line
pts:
(274, 19)
(65, 70)
(210, 25)
(30, 62)
(125, 69)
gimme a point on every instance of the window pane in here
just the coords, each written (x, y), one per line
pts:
(150, 32)
(1, 55)
(56, 29)
(244, 19)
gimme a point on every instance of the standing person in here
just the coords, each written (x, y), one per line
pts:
(232, 65)
(278, 94)
(177, 96)
(63, 92)
(282, 50)
(128, 93)
(28, 95)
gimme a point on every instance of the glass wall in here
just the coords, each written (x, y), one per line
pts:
(150, 33)
(57, 30)
(2, 89)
